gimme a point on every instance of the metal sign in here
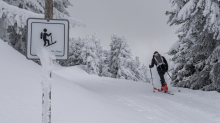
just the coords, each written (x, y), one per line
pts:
(51, 33)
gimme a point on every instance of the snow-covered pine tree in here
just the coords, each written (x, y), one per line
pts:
(196, 53)
(14, 14)
(90, 53)
(120, 61)
(115, 54)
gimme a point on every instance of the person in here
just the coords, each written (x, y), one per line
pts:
(45, 37)
(162, 68)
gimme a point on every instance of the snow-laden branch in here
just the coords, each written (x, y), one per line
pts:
(13, 14)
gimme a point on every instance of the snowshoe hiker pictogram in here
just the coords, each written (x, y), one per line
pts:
(44, 35)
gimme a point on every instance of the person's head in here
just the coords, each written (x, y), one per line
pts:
(156, 53)
(45, 30)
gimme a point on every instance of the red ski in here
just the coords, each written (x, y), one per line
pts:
(168, 92)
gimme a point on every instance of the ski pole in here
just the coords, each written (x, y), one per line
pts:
(171, 79)
(51, 38)
(152, 80)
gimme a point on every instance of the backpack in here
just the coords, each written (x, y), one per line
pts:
(158, 59)
(41, 35)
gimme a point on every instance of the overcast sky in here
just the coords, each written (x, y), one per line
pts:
(143, 22)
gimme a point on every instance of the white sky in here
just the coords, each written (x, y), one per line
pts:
(143, 22)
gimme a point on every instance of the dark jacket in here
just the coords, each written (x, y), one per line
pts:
(161, 67)
(45, 35)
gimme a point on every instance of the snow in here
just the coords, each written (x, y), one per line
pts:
(78, 97)
(175, 46)
(46, 59)
(184, 12)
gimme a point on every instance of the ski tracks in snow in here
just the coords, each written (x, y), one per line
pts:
(163, 109)
(187, 106)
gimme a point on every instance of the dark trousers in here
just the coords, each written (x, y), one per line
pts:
(46, 41)
(161, 73)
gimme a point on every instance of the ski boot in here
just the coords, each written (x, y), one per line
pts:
(164, 87)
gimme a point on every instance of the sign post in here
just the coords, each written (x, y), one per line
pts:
(47, 40)
(48, 14)
(48, 9)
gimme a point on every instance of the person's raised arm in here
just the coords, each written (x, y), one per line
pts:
(48, 34)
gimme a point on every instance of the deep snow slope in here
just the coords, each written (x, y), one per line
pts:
(20, 88)
(78, 97)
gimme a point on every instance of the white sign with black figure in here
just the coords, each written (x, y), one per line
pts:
(52, 33)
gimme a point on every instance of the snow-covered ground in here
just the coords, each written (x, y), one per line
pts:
(78, 97)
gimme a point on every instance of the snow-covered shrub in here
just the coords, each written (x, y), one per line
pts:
(104, 68)
(75, 46)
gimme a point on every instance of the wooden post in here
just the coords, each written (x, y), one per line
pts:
(48, 9)
(48, 14)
